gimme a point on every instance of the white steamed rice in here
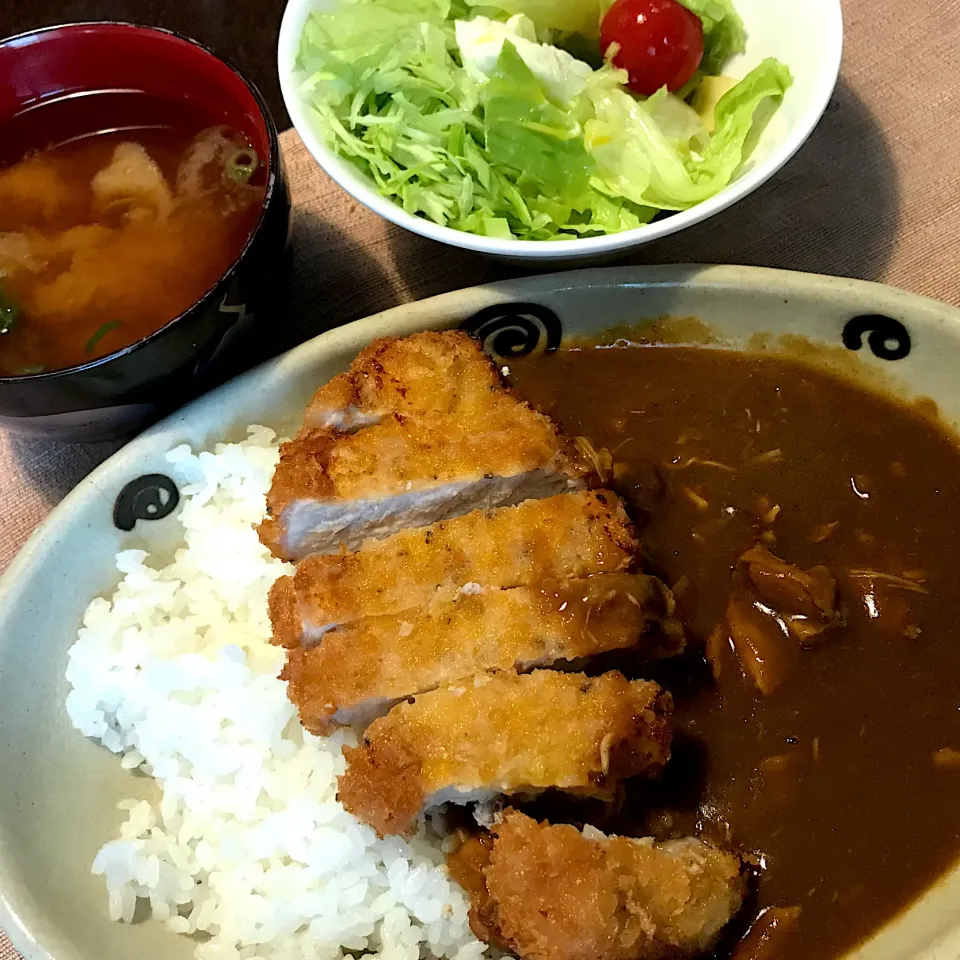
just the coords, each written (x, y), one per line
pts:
(247, 846)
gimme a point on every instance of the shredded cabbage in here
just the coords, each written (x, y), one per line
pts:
(503, 150)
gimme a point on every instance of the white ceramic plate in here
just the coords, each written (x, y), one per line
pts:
(57, 790)
(807, 35)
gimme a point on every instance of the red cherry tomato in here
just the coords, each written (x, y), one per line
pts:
(660, 43)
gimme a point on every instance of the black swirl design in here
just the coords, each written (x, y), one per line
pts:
(509, 330)
(888, 338)
(150, 497)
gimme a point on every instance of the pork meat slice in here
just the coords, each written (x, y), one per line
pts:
(505, 733)
(558, 538)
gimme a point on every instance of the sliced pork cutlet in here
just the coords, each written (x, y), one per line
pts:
(332, 490)
(560, 538)
(553, 892)
(440, 439)
(505, 733)
(362, 669)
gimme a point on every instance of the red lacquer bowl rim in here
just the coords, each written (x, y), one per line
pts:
(273, 177)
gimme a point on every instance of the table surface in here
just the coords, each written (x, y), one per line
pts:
(874, 194)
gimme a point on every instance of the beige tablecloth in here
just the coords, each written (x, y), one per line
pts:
(874, 194)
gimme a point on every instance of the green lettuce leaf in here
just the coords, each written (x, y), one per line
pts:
(563, 16)
(394, 101)
(640, 157)
(527, 133)
(385, 85)
(724, 35)
(735, 116)
(354, 34)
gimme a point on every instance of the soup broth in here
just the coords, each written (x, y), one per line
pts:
(106, 237)
(841, 780)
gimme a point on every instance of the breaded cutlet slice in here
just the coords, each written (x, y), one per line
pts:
(333, 490)
(556, 893)
(560, 538)
(433, 373)
(440, 437)
(505, 733)
(358, 672)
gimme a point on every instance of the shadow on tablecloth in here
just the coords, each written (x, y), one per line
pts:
(335, 280)
(832, 209)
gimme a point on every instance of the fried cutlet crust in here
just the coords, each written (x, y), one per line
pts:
(442, 417)
(559, 538)
(284, 613)
(507, 733)
(398, 457)
(384, 659)
(430, 373)
(558, 894)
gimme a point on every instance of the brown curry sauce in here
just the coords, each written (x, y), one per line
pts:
(843, 783)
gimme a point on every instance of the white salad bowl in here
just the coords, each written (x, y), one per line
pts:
(807, 36)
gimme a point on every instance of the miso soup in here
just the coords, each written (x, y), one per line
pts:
(107, 237)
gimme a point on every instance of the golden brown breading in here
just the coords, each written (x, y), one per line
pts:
(560, 538)
(435, 373)
(359, 671)
(439, 435)
(559, 894)
(504, 733)
(284, 613)
(399, 455)
(386, 467)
